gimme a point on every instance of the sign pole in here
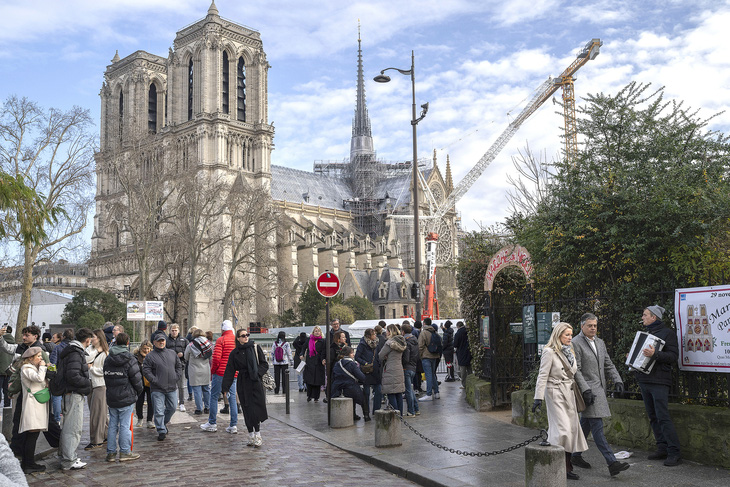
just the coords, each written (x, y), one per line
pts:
(327, 367)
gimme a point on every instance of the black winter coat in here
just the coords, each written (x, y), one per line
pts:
(411, 353)
(250, 389)
(72, 364)
(314, 371)
(299, 345)
(461, 343)
(365, 355)
(341, 380)
(448, 339)
(177, 345)
(122, 377)
(665, 359)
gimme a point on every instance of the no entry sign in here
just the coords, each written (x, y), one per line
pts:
(328, 284)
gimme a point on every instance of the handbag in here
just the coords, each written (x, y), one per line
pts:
(266, 379)
(367, 368)
(42, 396)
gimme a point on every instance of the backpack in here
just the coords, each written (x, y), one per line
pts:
(278, 352)
(434, 345)
(57, 383)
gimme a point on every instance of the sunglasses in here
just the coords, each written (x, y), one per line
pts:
(242, 335)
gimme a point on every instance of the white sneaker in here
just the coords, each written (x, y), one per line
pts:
(209, 427)
(140, 423)
(437, 395)
(407, 415)
(77, 465)
(151, 425)
(251, 440)
(257, 441)
(425, 398)
(232, 430)
(182, 408)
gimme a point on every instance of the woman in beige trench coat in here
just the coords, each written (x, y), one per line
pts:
(34, 418)
(555, 385)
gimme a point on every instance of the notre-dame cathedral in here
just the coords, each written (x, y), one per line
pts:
(205, 106)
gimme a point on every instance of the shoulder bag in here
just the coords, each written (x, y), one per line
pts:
(266, 379)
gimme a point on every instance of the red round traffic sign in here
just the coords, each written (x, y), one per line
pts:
(328, 284)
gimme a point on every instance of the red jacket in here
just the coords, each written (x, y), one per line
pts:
(223, 348)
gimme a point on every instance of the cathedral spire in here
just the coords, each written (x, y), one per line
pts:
(449, 180)
(362, 141)
(213, 10)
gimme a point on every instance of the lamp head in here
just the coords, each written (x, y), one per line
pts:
(381, 78)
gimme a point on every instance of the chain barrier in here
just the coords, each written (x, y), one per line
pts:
(542, 435)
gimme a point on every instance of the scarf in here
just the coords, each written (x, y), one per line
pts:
(568, 352)
(200, 345)
(312, 343)
(252, 364)
(372, 343)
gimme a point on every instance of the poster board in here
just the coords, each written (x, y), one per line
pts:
(702, 316)
(484, 327)
(528, 324)
(145, 310)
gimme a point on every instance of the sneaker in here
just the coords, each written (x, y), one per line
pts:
(578, 461)
(140, 423)
(367, 418)
(418, 413)
(616, 467)
(672, 461)
(572, 476)
(437, 395)
(91, 446)
(232, 430)
(408, 415)
(209, 427)
(251, 440)
(198, 412)
(77, 465)
(206, 411)
(161, 436)
(190, 398)
(425, 398)
(257, 441)
(225, 410)
(182, 408)
(125, 457)
(111, 457)
(150, 425)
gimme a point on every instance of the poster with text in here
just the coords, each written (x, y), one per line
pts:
(135, 310)
(486, 341)
(154, 310)
(528, 324)
(702, 315)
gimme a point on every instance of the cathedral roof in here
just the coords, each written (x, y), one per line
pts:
(296, 186)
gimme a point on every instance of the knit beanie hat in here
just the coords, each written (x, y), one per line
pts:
(657, 310)
(227, 325)
(161, 325)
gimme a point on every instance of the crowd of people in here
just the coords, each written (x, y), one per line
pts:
(52, 377)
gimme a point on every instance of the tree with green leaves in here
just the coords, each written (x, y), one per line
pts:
(92, 307)
(337, 311)
(362, 308)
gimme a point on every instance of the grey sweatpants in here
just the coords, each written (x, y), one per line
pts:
(73, 422)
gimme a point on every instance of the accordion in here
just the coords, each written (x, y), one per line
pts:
(636, 360)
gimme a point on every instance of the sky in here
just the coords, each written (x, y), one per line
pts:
(477, 63)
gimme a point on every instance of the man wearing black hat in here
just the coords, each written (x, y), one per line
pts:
(655, 386)
(161, 329)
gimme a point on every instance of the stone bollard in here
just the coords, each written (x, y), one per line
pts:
(341, 412)
(7, 423)
(545, 466)
(387, 428)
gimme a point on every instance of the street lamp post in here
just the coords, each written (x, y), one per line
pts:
(382, 78)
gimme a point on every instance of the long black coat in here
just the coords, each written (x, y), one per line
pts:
(250, 390)
(366, 355)
(461, 343)
(314, 371)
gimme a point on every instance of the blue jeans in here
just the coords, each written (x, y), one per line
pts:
(165, 404)
(57, 400)
(202, 397)
(594, 426)
(396, 401)
(411, 402)
(215, 391)
(429, 370)
(120, 420)
(656, 402)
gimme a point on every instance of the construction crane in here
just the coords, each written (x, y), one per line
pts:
(543, 93)
(430, 298)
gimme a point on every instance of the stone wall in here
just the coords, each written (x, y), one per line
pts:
(704, 432)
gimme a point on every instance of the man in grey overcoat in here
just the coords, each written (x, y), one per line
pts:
(594, 365)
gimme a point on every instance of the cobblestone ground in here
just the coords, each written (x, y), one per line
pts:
(190, 456)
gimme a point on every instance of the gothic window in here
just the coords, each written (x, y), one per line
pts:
(190, 89)
(152, 110)
(405, 310)
(224, 89)
(241, 90)
(121, 113)
(381, 309)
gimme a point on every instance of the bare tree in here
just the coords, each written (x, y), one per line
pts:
(252, 272)
(200, 227)
(530, 186)
(52, 151)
